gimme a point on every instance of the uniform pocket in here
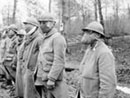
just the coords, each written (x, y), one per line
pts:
(90, 86)
(46, 70)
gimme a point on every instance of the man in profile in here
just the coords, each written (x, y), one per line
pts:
(98, 65)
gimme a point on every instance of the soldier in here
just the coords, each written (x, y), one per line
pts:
(3, 42)
(9, 60)
(21, 36)
(2, 51)
(27, 60)
(51, 61)
(98, 64)
(2, 45)
(18, 88)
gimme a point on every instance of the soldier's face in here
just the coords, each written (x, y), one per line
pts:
(11, 33)
(44, 27)
(88, 37)
(27, 27)
(20, 38)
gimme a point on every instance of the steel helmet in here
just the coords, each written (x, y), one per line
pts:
(21, 32)
(46, 17)
(13, 27)
(5, 28)
(32, 21)
(95, 26)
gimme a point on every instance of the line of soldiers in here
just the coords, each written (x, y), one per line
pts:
(33, 61)
(10, 42)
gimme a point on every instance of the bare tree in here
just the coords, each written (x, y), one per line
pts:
(69, 16)
(117, 9)
(34, 8)
(64, 16)
(67, 10)
(83, 14)
(50, 1)
(86, 12)
(106, 5)
(128, 10)
(95, 7)
(100, 12)
(14, 11)
(8, 16)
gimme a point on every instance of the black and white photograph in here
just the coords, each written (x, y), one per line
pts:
(64, 48)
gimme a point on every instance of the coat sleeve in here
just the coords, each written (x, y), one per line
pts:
(107, 75)
(3, 50)
(59, 46)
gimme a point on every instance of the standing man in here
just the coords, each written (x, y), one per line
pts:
(3, 44)
(27, 60)
(51, 61)
(18, 88)
(98, 64)
(3, 47)
(10, 56)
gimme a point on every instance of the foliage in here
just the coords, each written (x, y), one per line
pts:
(34, 7)
(7, 14)
(118, 27)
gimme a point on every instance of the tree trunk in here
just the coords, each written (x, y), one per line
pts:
(83, 13)
(69, 15)
(14, 11)
(8, 17)
(63, 11)
(64, 17)
(117, 10)
(106, 12)
(95, 7)
(128, 10)
(50, 5)
(100, 12)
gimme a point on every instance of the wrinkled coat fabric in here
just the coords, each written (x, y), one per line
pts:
(10, 58)
(51, 63)
(27, 64)
(2, 49)
(19, 82)
(98, 72)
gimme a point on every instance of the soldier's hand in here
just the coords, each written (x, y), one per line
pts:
(50, 84)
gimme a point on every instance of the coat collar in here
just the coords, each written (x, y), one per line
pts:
(53, 31)
(31, 37)
(97, 44)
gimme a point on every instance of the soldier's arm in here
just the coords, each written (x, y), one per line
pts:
(59, 46)
(107, 75)
(4, 48)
